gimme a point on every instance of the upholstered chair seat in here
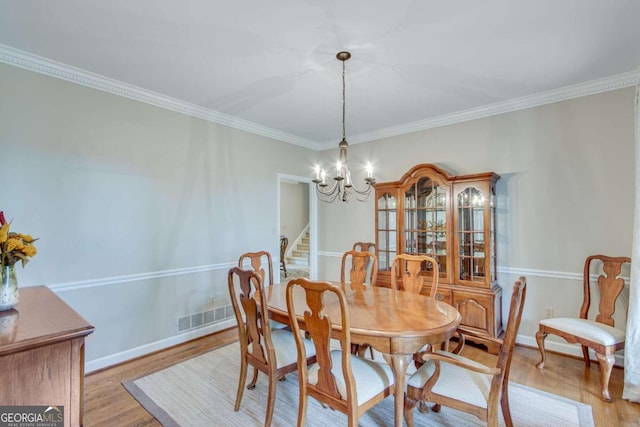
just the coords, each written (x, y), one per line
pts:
(285, 345)
(370, 377)
(587, 329)
(476, 385)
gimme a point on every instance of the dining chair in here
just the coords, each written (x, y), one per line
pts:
(284, 242)
(457, 382)
(272, 352)
(600, 334)
(409, 267)
(259, 261)
(362, 268)
(338, 379)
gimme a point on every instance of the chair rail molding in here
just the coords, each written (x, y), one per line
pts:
(106, 281)
(516, 271)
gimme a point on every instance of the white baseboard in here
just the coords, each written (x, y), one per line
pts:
(114, 359)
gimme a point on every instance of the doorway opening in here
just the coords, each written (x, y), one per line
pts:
(297, 222)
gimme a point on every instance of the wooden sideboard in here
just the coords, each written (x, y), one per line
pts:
(42, 353)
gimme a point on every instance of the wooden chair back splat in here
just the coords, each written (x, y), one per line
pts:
(364, 247)
(259, 261)
(408, 267)
(363, 268)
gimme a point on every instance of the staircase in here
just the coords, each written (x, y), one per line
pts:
(298, 258)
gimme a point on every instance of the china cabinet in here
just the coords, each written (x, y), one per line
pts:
(451, 219)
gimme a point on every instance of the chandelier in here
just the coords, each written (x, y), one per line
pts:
(342, 187)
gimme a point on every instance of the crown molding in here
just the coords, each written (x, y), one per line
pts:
(48, 67)
(592, 87)
(42, 65)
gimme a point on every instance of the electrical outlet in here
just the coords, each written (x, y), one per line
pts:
(548, 312)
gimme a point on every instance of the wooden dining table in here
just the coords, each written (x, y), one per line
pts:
(396, 323)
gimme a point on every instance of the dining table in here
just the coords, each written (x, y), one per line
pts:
(394, 322)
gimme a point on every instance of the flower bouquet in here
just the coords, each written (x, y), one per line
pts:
(14, 247)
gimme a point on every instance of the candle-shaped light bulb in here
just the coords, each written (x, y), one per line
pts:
(323, 174)
(369, 170)
(339, 168)
(317, 170)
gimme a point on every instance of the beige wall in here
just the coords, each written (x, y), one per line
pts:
(140, 211)
(566, 191)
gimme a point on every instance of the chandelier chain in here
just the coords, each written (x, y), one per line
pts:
(344, 103)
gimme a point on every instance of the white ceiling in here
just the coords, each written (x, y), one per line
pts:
(271, 64)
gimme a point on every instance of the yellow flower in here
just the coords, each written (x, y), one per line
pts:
(4, 233)
(12, 244)
(29, 250)
(27, 238)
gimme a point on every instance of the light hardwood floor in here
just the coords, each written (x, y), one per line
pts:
(107, 403)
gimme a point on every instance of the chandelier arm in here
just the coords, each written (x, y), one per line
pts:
(327, 197)
(364, 191)
(363, 198)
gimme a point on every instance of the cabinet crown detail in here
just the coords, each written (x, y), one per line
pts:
(450, 218)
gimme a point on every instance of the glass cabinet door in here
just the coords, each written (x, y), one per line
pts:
(472, 241)
(425, 222)
(386, 233)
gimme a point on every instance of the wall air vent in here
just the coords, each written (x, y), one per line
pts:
(203, 318)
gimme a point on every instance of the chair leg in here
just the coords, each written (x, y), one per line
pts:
(585, 355)
(409, 406)
(606, 365)
(252, 385)
(241, 383)
(504, 404)
(271, 399)
(302, 407)
(540, 336)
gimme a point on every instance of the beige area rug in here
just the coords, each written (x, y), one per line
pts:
(201, 392)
